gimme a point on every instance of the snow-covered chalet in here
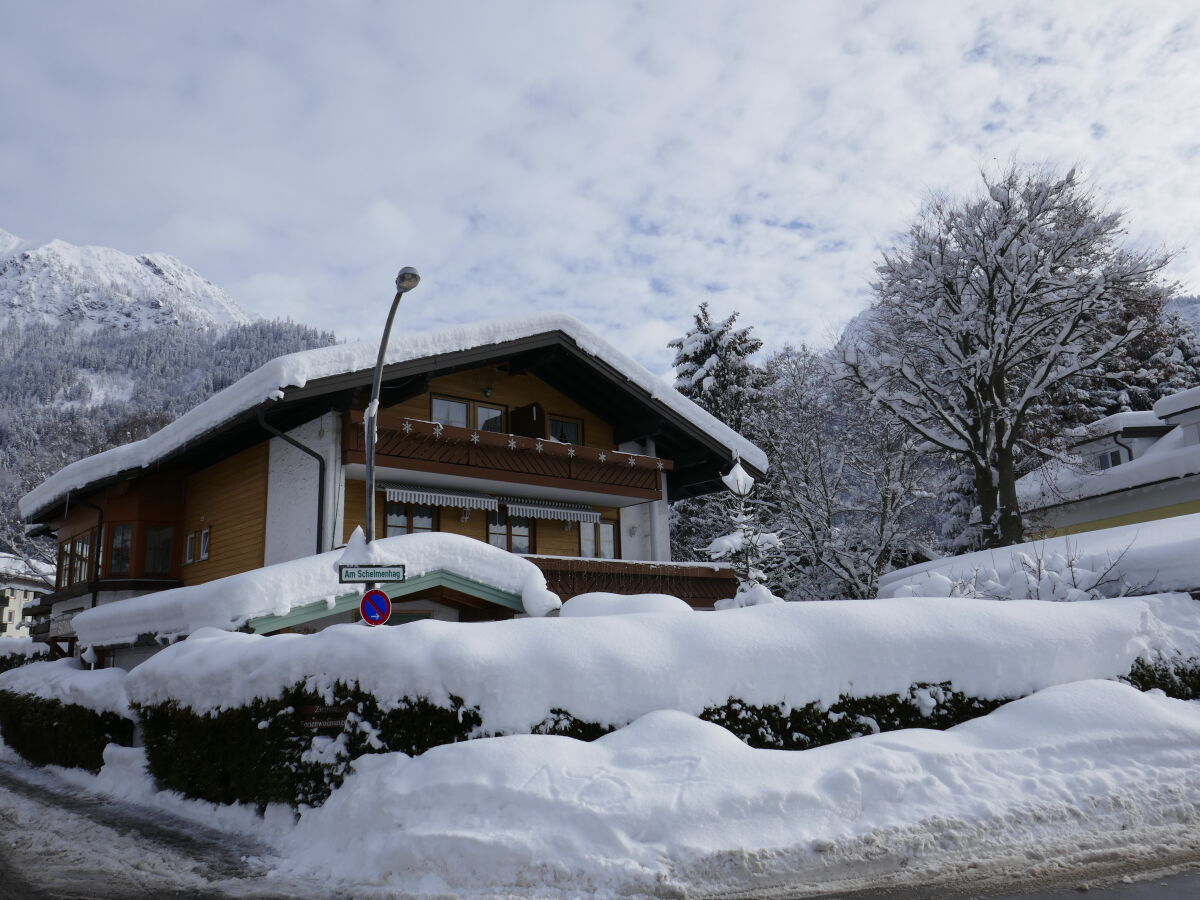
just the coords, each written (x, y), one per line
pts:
(532, 435)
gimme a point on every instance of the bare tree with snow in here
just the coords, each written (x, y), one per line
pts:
(991, 303)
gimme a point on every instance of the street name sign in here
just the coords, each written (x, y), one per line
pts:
(375, 607)
(370, 574)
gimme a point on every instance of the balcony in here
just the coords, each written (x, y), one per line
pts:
(700, 584)
(422, 446)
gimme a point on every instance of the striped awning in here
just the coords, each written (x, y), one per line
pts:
(547, 509)
(426, 496)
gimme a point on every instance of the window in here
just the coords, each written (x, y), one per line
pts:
(513, 533)
(204, 541)
(408, 518)
(189, 551)
(489, 418)
(450, 412)
(81, 558)
(568, 431)
(601, 537)
(1108, 459)
(122, 542)
(158, 550)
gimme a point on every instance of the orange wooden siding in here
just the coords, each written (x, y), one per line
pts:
(230, 499)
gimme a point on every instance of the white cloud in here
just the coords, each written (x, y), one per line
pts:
(619, 161)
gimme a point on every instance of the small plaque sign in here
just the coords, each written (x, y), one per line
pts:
(370, 574)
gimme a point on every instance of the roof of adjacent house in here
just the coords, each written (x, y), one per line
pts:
(326, 369)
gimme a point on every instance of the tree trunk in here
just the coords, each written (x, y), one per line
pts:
(1010, 527)
(985, 493)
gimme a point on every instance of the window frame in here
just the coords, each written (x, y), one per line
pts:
(408, 517)
(189, 548)
(550, 419)
(508, 535)
(204, 545)
(596, 539)
(147, 528)
(473, 412)
(110, 545)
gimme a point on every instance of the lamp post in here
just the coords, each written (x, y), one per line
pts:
(405, 282)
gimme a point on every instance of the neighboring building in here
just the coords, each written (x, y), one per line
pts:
(1136, 467)
(533, 435)
(21, 583)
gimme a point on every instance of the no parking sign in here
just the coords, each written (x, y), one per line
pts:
(375, 607)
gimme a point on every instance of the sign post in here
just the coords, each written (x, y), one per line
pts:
(375, 607)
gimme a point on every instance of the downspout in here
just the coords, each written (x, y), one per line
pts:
(271, 429)
(1128, 450)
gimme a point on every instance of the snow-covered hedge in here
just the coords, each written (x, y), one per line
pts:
(56, 713)
(19, 652)
(787, 676)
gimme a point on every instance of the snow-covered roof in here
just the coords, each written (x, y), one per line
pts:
(272, 381)
(231, 602)
(1169, 458)
(1177, 403)
(1118, 422)
(1163, 555)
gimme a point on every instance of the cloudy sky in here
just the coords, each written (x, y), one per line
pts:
(620, 161)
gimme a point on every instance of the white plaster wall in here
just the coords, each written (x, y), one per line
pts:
(645, 528)
(292, 490)
(635, 532)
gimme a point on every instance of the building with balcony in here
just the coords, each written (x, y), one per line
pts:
(22, 583)
(533, 435)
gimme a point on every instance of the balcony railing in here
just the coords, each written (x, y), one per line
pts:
(446, 449)
(700, 584)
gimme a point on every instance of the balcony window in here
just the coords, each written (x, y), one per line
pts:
(512, 533)
(158, 550)
(409, 518)
(450, 412)
(489, 418)
(598, 540)
(122, 542)
(566, 431)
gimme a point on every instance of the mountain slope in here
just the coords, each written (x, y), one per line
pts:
(95, 287)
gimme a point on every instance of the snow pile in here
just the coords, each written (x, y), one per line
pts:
(276, 590)
(20, 646)
(64, 680)
(612, 669)
(270, 382)
(1148, 557)
(673, 806)
(600, 603)
(749, 595)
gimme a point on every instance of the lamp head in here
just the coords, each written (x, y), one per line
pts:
(407, 280)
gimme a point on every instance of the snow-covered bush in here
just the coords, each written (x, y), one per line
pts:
(56, 713)
(19, 652)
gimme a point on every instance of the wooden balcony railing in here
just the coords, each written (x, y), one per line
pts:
(699, 584)
(445, 449)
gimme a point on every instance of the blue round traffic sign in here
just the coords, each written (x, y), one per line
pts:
(375, 607)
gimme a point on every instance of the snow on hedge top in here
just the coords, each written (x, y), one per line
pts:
(612, 669)
(21, 646)
(275, 590)
(66, 681)
(1148, 557)
(1169, 457)
(295, 370)
(602, 603)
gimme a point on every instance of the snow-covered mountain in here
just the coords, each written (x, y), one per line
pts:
(90, 287)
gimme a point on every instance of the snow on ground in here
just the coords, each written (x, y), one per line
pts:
(66, 681)
(295, 370)
(673, 806)
(612, 669)
(1146, 557)
(231, 602)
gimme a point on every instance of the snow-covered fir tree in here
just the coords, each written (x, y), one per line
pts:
(748, 549)
(713, 368)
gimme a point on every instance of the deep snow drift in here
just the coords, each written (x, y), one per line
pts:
(672, 806)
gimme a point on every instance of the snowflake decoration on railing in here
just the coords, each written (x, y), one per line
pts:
(602, 456)
(630, 461)
(658, 464)
(438, 428)
(512, 442)
(571, 452)
(406, 427)
(474, 437)
(537, 445)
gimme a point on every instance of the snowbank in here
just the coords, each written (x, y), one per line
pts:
(672, 806)
(1163, 555)
(612, 669)
(297, 369)
(275, 590)
(600, 603)
(20, 646)
(102, 690)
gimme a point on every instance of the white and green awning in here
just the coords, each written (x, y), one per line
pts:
(426, 496)
(547, 509)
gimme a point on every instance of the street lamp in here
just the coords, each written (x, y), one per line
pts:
(405, 282)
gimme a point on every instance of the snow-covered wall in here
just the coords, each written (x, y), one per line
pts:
(292, 490)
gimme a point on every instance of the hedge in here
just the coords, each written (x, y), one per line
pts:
(13, 660)
(49, 732)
